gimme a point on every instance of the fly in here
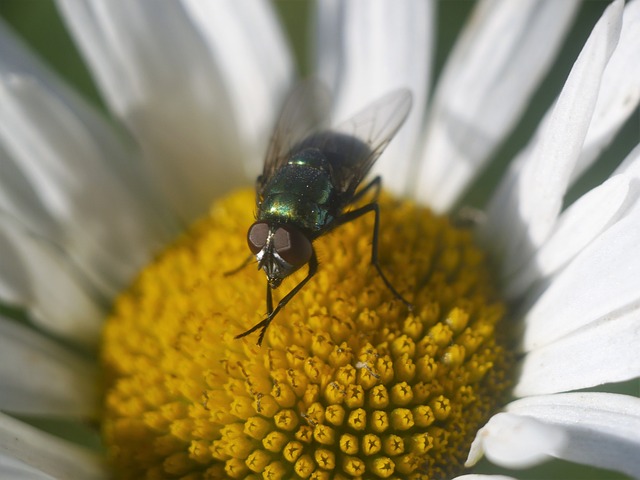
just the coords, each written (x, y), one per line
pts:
(309, 182)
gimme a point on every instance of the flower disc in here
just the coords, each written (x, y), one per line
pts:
(348, 382)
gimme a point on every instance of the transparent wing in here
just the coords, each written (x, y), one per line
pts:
(353, 146)
(306, 110)
(375, 126)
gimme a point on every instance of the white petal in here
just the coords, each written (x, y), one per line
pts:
(35, 275)
(239, 34)
(13, 469)
(526, 207)
(17, 60)
(494, 69)
(605, 351)
(366, 49)
(514, 441)
(584, 220)
(19, 197)
(92, 216)
(602, 279)
(576, 228)
(46, 453)
(160, 78)
(59, 382)
(329, 19)
(631, 164)
(619, 91)
(88, 151)
(601, 429)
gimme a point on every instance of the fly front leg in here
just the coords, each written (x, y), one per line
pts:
(246, 262)
(271, 312)
(373, 207)
(264, 323)
(269, 300)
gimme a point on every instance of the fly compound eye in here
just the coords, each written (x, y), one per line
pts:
(257, 236)
(292, 245)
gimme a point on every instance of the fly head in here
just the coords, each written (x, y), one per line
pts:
(279, 249)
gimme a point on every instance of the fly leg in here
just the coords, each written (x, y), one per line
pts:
(375, 183)
(264, 323)
(357, 213)
(271, 312)
(240, 267)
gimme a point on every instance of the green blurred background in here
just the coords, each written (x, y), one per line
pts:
(39, 24)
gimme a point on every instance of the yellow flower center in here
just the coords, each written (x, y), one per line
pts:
(348, 383)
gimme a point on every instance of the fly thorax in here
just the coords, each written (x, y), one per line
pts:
(301, 193)
(294, 208)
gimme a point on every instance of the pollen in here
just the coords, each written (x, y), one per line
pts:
(348, 382)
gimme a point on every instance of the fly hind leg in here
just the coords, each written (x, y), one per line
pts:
(357, 213)
(376, 184)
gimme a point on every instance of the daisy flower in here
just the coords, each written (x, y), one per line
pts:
(116, 237)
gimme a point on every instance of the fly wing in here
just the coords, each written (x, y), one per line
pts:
(305, 111)
(364, 137)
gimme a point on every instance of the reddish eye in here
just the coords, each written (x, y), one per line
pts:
(292, 245)
(257, 236)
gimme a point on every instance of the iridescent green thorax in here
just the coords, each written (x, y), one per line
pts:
(301, 193)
